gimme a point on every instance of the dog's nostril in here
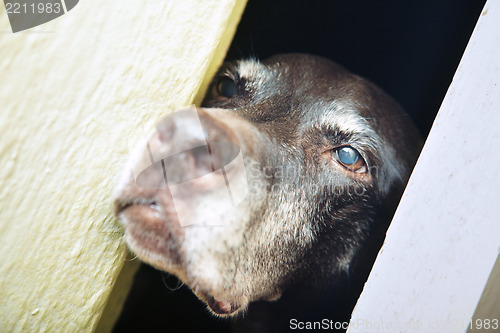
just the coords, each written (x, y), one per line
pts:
(189, 165)
(199, 161)
(204, 160)
(166, 131)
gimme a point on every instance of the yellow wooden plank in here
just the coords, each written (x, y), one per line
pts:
(487, 314)
(73, 93)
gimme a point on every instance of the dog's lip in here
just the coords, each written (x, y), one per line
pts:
(121, 205)
(146, 211)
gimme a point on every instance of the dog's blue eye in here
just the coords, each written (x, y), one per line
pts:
(351, 159)
(348, 155)
(226, 88)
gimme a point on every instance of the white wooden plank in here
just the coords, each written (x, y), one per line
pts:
(445, 236)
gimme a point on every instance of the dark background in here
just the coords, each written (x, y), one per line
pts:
(409, 48)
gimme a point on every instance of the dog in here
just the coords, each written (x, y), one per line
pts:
(282, 184)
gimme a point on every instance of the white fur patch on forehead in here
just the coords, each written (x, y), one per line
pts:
(256, 76)
(250, 68)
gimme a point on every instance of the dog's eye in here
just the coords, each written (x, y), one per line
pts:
(226, 87)
(351, 159)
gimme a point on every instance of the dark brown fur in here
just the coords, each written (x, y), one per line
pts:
(306, 218)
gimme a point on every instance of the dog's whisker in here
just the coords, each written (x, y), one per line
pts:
(165, 276)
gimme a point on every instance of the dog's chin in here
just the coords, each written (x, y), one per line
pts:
(228, 302)
(158, 243)
(226, 305)
(221, 305)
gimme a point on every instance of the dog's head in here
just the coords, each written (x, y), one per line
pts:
(275, 181)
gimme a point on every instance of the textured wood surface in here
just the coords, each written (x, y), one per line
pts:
(73, 93)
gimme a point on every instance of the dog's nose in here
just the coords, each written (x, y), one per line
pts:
(192, 166)
(188, 145)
